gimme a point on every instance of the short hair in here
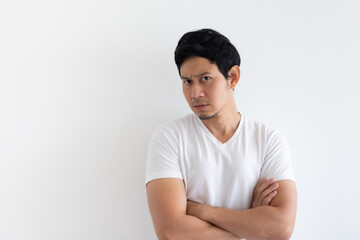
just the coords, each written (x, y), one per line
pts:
(209, 44)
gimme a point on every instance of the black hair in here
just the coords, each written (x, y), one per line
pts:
(209, 44)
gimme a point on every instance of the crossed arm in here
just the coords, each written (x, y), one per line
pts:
(176, 218)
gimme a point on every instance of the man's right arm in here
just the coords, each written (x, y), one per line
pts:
(167, 203)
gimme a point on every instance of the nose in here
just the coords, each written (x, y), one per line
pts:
(197, 91)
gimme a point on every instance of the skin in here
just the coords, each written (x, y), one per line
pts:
(175, 218)
(264, 192)
(272, 216)
(167, 203)
(209, 94)
(275, 221)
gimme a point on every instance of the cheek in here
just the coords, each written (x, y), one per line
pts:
(186, 94)
(219, 95)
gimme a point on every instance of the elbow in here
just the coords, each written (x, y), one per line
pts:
(283, 236)
(282, 228)
(163, 235)
(287, 230)
(283, 232)
(167, 236)
(168, 233)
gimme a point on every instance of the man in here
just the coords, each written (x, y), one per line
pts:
(216, 174)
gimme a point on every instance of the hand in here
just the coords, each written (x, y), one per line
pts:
(264, 192)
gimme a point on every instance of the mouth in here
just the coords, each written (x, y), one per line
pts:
(200, 106)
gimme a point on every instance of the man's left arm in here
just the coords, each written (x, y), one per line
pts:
(275, 221)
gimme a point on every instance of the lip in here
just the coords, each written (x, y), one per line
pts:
(200, 106)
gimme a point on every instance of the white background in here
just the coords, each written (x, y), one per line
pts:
(83, 84)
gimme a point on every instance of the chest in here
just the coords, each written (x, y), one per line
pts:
(222, 162)
(221, 175)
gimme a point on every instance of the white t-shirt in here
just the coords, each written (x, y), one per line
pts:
(215, 173)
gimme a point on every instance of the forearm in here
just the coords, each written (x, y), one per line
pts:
(189, 227)
(264, 222)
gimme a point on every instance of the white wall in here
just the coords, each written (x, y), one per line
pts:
(83, 84)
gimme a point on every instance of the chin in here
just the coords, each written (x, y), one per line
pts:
(207, 117)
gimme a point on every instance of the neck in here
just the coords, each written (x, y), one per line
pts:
(224, 125)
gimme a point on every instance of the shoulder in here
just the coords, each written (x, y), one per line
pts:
(263, 136)
(178, 124)
(261, 130)
(276, 157)
(175, 128)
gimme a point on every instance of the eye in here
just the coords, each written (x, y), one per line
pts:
(206, 78)
(186, 81)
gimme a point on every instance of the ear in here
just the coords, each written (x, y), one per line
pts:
(234, 76)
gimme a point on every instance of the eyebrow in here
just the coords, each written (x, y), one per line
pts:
(198, 75)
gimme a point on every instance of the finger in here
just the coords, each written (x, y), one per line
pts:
(263, 188)
(259, 183)
(269, 198)
(256, 192)
(268, 191)
(265, 185)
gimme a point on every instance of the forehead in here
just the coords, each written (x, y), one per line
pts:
(196, 65)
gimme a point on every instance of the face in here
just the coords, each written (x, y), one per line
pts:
(206, 90)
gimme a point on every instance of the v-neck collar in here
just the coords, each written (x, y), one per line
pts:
(213, 138)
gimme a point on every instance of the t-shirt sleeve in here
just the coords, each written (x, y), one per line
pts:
(163, 156)
(277, 161)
